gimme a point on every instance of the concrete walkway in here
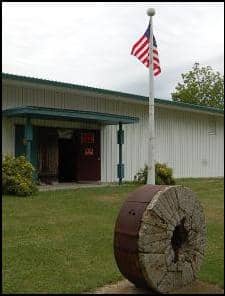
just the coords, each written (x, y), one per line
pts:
(73, 185)
(126, 287)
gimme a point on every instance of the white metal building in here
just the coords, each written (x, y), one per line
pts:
(69, 132)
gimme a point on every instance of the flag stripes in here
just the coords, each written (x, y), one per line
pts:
(141, 50)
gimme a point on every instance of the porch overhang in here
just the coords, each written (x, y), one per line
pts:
(67, 114)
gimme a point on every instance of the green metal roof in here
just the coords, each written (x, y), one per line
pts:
(110, 92)
(67, 114)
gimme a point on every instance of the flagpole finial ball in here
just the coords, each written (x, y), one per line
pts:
(151, 12)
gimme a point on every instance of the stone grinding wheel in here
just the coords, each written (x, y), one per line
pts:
(160, 237)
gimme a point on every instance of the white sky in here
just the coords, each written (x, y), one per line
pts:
(89, 43)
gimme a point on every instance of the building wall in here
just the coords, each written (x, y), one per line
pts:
(182, 138)
(182, 142)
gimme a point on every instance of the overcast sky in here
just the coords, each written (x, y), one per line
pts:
(90, 43)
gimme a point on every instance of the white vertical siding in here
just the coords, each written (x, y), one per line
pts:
(183, 142)
(8, 137)
(182, 138)
(109, 154)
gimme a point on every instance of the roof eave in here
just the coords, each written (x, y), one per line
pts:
(116, 95)
(68, 114)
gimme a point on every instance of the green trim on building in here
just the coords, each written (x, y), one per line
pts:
(28, 137)
(19, 140)
(20, 147)
(110, 92)
(120, 166)
(67, 114)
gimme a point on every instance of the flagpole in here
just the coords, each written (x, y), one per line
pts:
(151, 159)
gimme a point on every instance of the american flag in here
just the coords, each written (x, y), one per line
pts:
(141, 50)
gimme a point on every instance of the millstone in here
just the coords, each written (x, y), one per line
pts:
(160, 237)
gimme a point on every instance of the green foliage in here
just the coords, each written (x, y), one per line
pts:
(17, 175)
(201, 86)
(141, 176)
(163, 175)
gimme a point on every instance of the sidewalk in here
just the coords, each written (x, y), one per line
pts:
(126, 287)
(72, 185)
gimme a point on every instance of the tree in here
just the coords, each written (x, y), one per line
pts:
(201, 86)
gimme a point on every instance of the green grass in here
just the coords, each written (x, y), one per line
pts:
(62, 241)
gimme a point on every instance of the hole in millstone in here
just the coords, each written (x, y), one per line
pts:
(178, 239)
(131, 212)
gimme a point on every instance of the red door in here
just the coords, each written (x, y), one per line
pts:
(88, 163)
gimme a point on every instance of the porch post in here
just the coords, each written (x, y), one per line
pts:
(120, 141)
(28, 138)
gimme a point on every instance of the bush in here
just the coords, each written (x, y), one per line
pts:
(163, 175)
(141, 176)
(17, 176)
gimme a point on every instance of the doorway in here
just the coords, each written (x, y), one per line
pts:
(88, 162)
(68, 155)
(66, 163)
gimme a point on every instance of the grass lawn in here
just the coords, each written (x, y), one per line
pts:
(62, 241)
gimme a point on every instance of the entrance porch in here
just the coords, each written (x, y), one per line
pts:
(65, 155)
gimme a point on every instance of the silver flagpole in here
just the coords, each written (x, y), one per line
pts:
(151, 159)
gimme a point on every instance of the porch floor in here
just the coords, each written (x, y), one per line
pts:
(73, 185)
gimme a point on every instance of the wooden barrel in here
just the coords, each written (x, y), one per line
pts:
(160, 237)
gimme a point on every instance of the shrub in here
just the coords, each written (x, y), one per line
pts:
(17, 176)
(141, 176)
(163, 175)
